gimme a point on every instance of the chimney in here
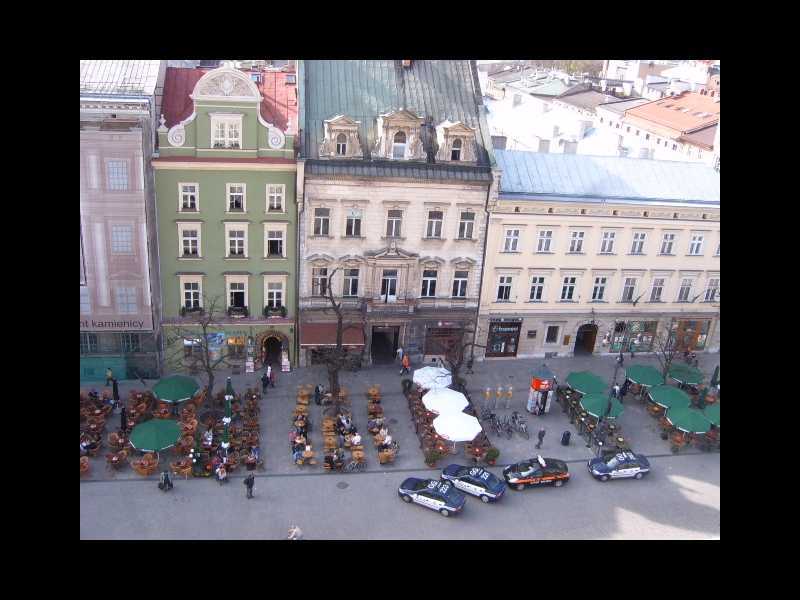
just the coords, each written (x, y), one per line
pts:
(406, 63)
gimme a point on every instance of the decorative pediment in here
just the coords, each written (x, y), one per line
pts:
(429, 261)
(407, 125)
(463, 261)
(227, 83)
(341, 138)
(391, 251)
(348, 259)
(402, 117)
(458, 137)
(320, 259)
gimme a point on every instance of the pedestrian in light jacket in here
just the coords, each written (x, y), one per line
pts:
(250, 481)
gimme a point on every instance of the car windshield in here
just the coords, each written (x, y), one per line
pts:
(422, 484)
(613, 463)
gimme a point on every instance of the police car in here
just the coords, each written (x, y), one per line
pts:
(618, 465)
(537, 471)
(440, 496)
(475, 481)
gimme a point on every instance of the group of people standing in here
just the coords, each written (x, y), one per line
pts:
(267, 379)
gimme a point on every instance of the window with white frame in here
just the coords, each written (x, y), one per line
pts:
(607, 245)
(666, 243)
(275, 245)
(275, 197)
(394, 223)
(226, 131)
(658, 288)
(122, 239)
(188, 197)
(429, 283)
(236, 197)
(537, 288)
(717, 252)
(190, 240)
(576, 241)
(192, 289)
(568, 288)
(551, 337)
(86, 303)
(434, 229)
(237, 291)
(455, 149)
(319, 281)
(399, 145)
(628, 289)
(350, 283)
(685, 290)
(637, 247)
(274, 294)
(545, 240)
(117, 175)
(237, 240)
(504, 288)
(466, 225)
(322, 221)
(130, 342)
(599, 289)
(712, 290)
(89, 343)
(696, 245)
(126, 300)
(341, 144)
(511, 240)
(352, 225)
(460, 284)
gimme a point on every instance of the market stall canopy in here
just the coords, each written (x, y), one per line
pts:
(689, 420)
(586, 382)
(597, 406)
(685, 374)
(543, 372)
(712, 414)
(324, 334)
(644, 375)
(444, 400)
(155, 435)
(457, 427)
(175, 388)
(432, 378)
(669, 396)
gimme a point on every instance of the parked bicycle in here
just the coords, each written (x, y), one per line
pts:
(494, 423)
(520, 425)
(507, 427)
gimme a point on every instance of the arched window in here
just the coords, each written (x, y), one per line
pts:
(455, 151)
(399, 146)
(341, 144)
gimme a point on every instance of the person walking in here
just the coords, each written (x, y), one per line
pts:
(109, 376)
(271, 376)
(620, 359)
(318, 395)
(123, 420)
(264, 382)
(540, 435)
(165, 483)
(250, 481)
(400, 353)
(406, 364)
(115, 393)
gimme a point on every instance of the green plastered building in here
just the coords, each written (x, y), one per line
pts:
(225, 179)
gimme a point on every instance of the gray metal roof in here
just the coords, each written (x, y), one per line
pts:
(364, 89)
(402, 170)
(605, 177)
(119, 77)
(621, 106)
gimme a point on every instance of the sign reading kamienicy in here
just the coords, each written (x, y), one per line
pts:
(115, 325)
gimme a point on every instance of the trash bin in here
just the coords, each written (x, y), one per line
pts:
(565, 438)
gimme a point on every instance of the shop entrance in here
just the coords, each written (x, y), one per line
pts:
(271, 351)
(585, 338)
(384, 344)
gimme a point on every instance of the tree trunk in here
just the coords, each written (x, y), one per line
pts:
(333, 382)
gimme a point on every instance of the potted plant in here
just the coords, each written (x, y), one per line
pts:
(431, 457)
(283, 311)
(491, 455)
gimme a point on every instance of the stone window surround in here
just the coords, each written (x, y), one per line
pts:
(236, 227)
(184, 225)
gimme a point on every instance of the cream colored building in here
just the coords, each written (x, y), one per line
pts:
(588, 254)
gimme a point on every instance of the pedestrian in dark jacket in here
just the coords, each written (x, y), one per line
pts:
(264, 383)
(540, 435)
(123, 420)
(115, 393)
(109, 376)
(318, 395)
(272, 376)
(250, 481)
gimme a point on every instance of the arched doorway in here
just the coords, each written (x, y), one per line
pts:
(271, 350)
(585, 338)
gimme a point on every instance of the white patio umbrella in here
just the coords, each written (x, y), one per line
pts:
(444, 400)
(457, 427)
(432, 378)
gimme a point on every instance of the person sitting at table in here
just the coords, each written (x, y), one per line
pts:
(255, 452)
(222, 474)
(208, 436)
(386, 444)
(297, 452)
(93, 395)
(355, 440)
(216, 462)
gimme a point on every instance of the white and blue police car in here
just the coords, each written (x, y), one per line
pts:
(440, 496)
(619, 465)
(475, 481)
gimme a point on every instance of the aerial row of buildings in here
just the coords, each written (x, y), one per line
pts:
(251, 189)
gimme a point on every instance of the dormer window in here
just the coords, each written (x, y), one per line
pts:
(226, 131)
(341, 144)
(455, 152)
(399, 145)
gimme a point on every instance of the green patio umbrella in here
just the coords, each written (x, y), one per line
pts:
(175, 388)
(644, 375)
(586, 382)
(685, 374)
(689, 420)
(597, 405)
(712, 413)
(669, 396)
(155, 435)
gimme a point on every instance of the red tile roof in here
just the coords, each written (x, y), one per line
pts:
(278, 107)
(683, 114)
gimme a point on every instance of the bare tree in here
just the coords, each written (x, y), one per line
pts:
(194, 332)
(666, 349)
(456, 355)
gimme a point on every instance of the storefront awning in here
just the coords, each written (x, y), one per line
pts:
(324, 334)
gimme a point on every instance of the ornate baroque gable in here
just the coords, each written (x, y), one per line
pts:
(389, 124)
(341, 125)
(227, 83)
(447, 133)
